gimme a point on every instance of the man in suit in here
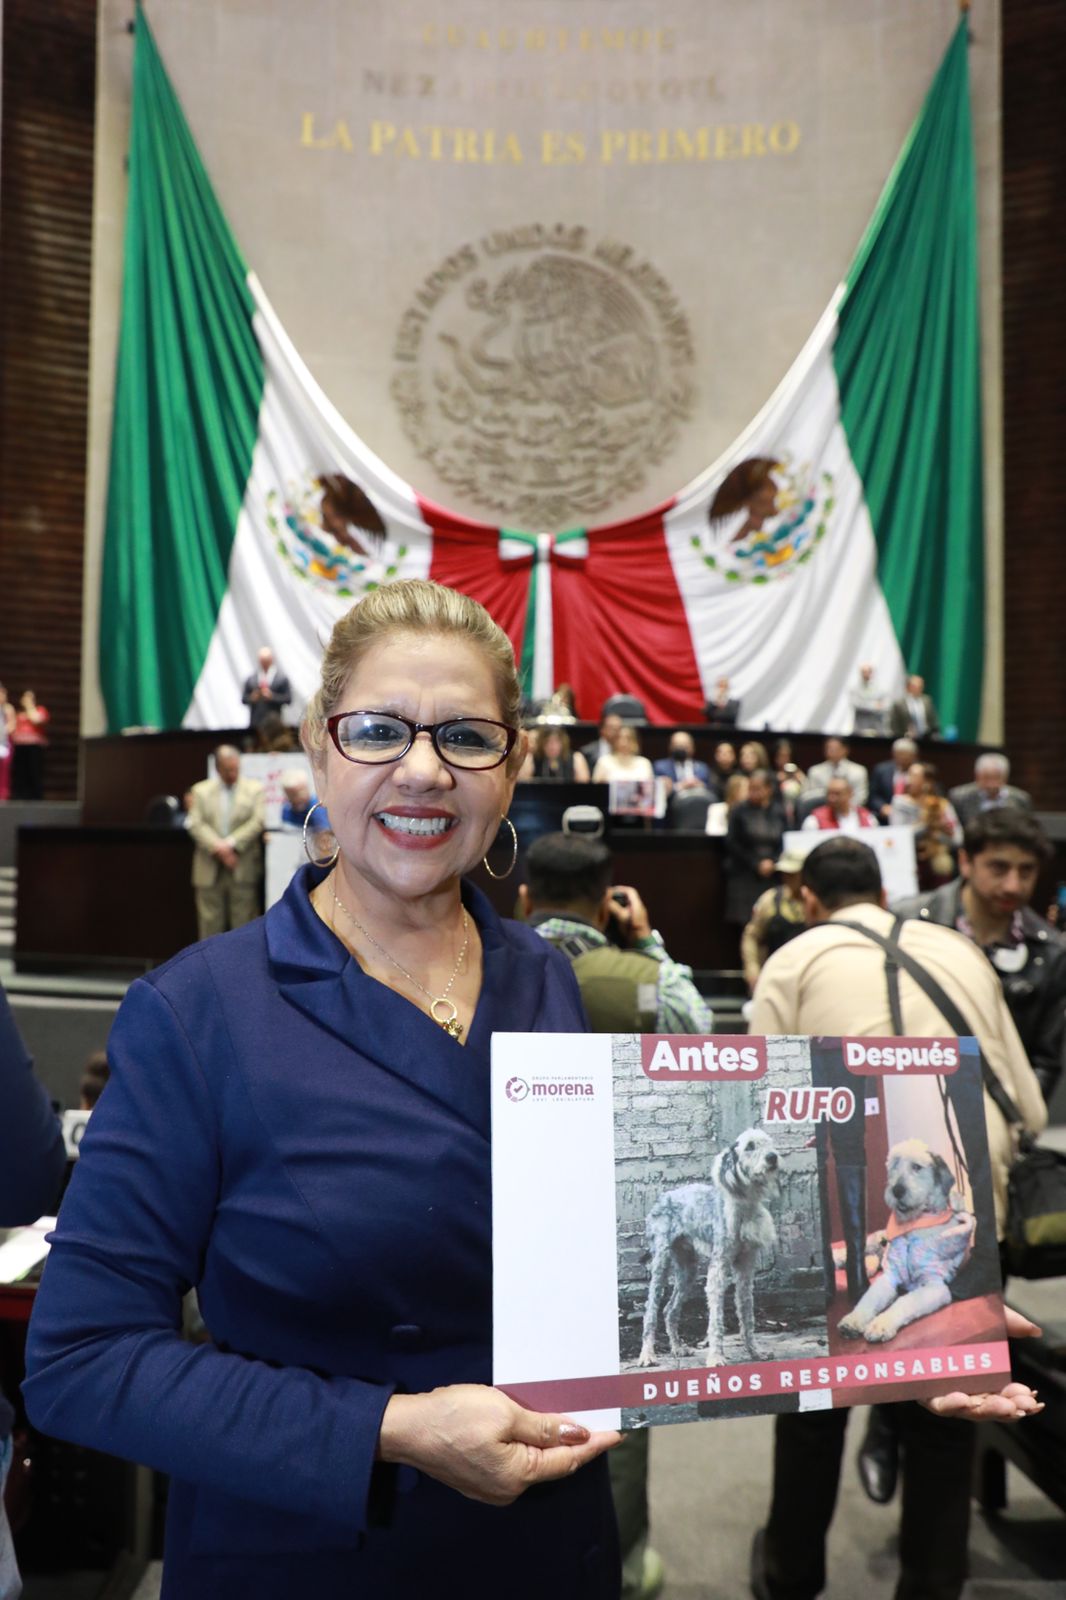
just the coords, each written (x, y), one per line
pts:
(915, 714)
(266, 690)
(721, 711)
(837, 765)
(683, 771)
(889, 778)
(610, 728)
(989, 789)
(226, 821)
(871, 705)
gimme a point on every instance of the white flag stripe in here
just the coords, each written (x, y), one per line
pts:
(792, 644)
(300, 435)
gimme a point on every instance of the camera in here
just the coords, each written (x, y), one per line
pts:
(587, 820)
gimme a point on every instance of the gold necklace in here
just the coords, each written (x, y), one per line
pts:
(450, 1024)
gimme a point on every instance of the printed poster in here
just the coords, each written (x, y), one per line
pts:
(691, 1227)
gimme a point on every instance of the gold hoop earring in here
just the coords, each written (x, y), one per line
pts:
(499, 876)
(330, 860)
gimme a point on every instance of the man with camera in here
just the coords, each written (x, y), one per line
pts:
(626, 977)
(628, 984)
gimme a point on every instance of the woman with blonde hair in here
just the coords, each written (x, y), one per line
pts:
(551, 758)
(297, 1125)
(625, 760)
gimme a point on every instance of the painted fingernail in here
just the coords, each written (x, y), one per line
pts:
(572, 1433)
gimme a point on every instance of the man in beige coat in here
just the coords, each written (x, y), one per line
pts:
(831, 980)
(226, 822)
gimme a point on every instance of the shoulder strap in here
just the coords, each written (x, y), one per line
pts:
(895, 958)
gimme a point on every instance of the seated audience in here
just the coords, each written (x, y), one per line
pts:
(720, 811)
(890, 777)
(724, 764)
(839, 811)
(922, 807)
(604, 745)
(988, 790)
(721, 710)
(871, 706)
(680, 766)
(915, 714)
(776, 917)
(29, 743)
(753, 844)
(790, 779)
(551, 760)
(299, 800)
(625, 760)
(754, 757)
(837, 764)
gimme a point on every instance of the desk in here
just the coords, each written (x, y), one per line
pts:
(97, 897)
(121, 897)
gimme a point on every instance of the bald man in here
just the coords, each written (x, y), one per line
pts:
(226, 820)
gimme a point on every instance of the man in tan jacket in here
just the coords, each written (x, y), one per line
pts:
(226, 822)
(831, 980)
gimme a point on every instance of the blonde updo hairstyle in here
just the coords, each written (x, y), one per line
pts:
(410, 605)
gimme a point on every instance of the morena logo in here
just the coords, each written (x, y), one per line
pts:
(550, 1089)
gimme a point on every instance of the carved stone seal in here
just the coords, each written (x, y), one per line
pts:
(542, 388)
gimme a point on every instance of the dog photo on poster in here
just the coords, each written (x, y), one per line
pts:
(798, 1223)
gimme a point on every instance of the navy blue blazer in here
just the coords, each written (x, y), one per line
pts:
(311, 1152)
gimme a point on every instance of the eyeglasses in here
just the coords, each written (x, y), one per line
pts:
(473, 744)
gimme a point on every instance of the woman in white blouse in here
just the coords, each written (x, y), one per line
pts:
(624, 761)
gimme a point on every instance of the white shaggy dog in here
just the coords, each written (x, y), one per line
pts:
(927, 1239)
(724, 1222)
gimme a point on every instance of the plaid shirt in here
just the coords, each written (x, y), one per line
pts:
(680, 1007)
(1015, 933)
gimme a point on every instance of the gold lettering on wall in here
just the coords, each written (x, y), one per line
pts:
(456, 144)
(548, 41)
(338, 138)
(628, 147)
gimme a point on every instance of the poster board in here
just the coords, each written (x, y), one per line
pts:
(893, 847)
(747, 1225)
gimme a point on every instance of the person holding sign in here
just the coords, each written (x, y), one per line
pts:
(297, 1125)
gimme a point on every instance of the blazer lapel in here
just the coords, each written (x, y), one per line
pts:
(316, 974)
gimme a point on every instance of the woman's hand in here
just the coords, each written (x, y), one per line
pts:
(1013, 1402)
(478, 1441)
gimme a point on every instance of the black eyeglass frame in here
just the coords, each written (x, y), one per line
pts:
(415, 728)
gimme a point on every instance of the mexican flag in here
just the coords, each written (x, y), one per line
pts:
(843, 526)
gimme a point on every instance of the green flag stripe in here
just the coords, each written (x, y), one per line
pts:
(529, 630)
(187, 395)
(908, 370)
